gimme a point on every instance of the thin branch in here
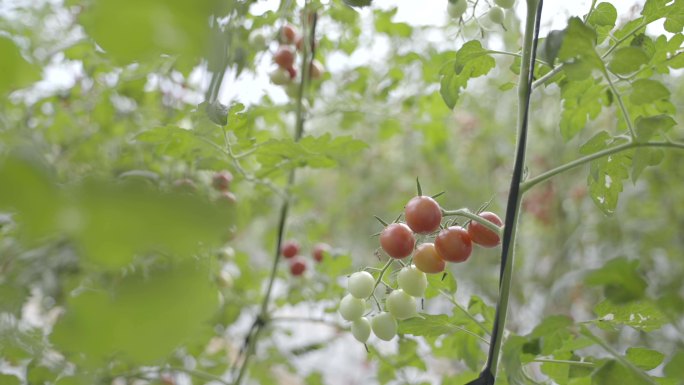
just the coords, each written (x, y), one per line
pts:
(625, 113)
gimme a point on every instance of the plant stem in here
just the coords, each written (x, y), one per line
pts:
(625, 113)
(566, 362)
(263, 316)
(534, 7)
(451, 299)
(466, 213)
(626, 363)
(600, 154)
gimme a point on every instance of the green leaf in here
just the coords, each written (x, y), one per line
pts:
(444, 282)
(471, 61)
(648, 127)
(582, 100)
(427, 325)
(621, 280)
(551, 45)
(513, 357)
(627, 60)
(612, 372)
(179, 142)
(643, 358)
(648, 91)
(605, 180)
(675, 368)
(675, 19)
(142, 319)
(603, 19)
(317, 152)
(9, 379)
(641, 315)
(644, 157)
(384, 24)
(360, 4)
(596, 143)
(131, 30)
(578, 49)
(15, 71)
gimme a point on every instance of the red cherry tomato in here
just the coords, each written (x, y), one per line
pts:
(319, 251)
(481, 234)
(454, 244)
(427, 260)
(297, 267)
(423, 214)
(289, 249)
(284, 56)
(292, 72)
(397, 240)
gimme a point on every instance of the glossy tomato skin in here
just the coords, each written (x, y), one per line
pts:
(423, 214)
(289, 34)
(290, 249)
(221, 180)
(397, 240)
(297, 267)
(453, 244)
(481, 234)
(284, 56)
(427, 260)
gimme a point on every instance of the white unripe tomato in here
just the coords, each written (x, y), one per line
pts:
(279, 76)
(361, 329)
(384, 326)
(496, 15)
(352, 308)
(401, 305)
(361, 284)
(457, 8)
(412, 281)
(505, 3)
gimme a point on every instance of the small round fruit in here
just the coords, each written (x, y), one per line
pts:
(361, 284)
(289, 249)
(496, 15)
(423, 214)
(384, 326)
(284, 56)
(316, 70)
(412, 281)
(319, 251)
(280, 76)
(221, 180)
(288, 34)
(257, 40)
(505, 3)
(457, 8)
(226, 197)
(453, 244)
(361, 329)
(483, 236)
(427, 260)
(401, 305)
(297, 266)
(397, 240)
(352, 308)
(292, 72)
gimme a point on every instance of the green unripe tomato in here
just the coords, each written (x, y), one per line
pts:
(361, 284)
(352, 308)
(496, 15)
(412, 281)
(457, 8)
(361, 329)
(401, 305)
(505, 3)
(384, 326)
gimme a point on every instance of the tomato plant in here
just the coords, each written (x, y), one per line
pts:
(397, 240)
(454, 244)
(483, 236)
(423, 214)
(290, 249)
(427, 260)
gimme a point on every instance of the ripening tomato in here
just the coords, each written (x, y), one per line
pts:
(280, 76)
(284, 56)
(423, 214)
(316, 70)
(226, 197)
(397, 240)
(454, 244)
(288, 34)
(427, 260)
(221, 180)
(319, 251)
(297, 266)
(412, 281)
(481, 234)
(289, 249)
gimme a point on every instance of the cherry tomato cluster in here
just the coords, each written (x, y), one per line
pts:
(291, 249)
(285, 57)
(400, 304)
(220, 181)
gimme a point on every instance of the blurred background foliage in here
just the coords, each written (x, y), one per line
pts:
(119, 261)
